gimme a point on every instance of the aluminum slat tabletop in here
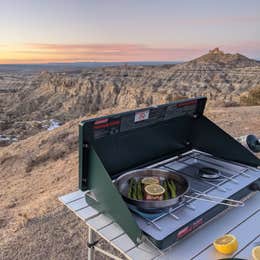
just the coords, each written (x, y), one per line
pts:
(193, 246)
(246, 232)
(106, 228)
(243, 222)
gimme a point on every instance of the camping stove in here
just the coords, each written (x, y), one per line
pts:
(176, 137)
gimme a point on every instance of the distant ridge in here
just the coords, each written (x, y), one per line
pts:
(214, 59)
(218, 59)
(57, 67)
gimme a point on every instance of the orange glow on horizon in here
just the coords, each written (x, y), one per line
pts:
(48, 53)
(62, 53)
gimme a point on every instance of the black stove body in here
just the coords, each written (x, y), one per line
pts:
(177, 137)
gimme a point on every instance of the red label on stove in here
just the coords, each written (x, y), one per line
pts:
(112, 123)
(183, 232)
(105, 127)
(101, 121)
(187, 103)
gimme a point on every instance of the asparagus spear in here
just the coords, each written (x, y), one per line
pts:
(134, 194)
(139, 190)
(166, 194)
(130, 188)
(171, 189)
(173, 185)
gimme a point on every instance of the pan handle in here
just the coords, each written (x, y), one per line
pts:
(216, 199)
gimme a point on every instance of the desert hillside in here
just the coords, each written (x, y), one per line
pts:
(32, 102)
(35, 171)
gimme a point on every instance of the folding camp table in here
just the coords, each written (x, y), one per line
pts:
(243, 222)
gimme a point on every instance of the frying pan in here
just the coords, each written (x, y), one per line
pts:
(181, 183)
(182, 190)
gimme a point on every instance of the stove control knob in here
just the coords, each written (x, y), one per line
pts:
(253, 143)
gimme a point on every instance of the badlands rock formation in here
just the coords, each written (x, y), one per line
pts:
(39, 97)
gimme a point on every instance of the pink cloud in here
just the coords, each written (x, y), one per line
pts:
(105, 52)
(42, 52)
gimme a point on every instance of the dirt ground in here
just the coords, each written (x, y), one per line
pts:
(35, 171)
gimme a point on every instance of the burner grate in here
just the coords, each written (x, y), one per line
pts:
(152, 218)
(196, 160)
(209, 173)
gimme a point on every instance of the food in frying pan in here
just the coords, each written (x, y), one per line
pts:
(172, 188)
(150, 180)
(151, 188)
(154, 192)
(135, 189)
(139, 191)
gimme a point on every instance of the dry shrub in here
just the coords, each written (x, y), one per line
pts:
(230, 104)
(252, 98)
(21, 221)
(4, 157)
(179, 97)
(53, 154)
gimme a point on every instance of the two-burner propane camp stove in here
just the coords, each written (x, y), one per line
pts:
(177, 138)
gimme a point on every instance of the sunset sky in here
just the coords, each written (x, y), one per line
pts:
(42, 31)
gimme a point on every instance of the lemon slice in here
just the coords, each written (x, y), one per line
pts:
(154, 189)
(150, 180)
(226, 245)
(256, 253)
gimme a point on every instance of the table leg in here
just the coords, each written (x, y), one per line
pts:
(91, 252)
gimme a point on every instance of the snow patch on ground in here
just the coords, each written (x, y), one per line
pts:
(5, 138)
(53, 124)
(241, 139)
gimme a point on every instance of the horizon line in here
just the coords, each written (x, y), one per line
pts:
(82, 62)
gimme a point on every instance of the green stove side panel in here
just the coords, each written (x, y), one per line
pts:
(109, 201)
(208, 137)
